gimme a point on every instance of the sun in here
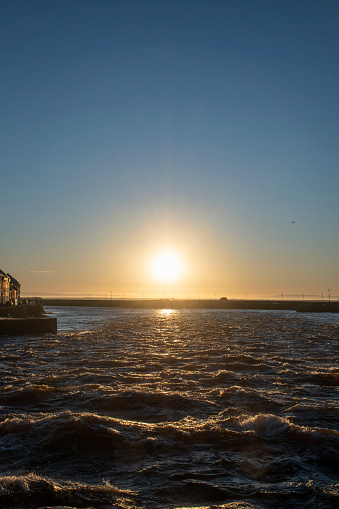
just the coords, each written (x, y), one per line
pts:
(167, 267)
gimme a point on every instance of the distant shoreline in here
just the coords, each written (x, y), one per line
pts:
(287, 305)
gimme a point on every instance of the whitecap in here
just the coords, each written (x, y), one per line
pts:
(266, 425)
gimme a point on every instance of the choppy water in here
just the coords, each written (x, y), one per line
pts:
(166, 409)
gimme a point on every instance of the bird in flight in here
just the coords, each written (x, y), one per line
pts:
(292, 221)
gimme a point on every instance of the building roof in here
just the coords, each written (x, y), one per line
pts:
(13, 281)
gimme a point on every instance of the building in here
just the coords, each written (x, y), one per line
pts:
(4, 287)
(14, 289)
(9, 288)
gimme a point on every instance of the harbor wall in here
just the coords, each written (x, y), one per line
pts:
(287, 305)
(19, 326)
(23, 310)
(27, 317)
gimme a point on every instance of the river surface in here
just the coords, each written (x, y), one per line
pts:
(170, 409)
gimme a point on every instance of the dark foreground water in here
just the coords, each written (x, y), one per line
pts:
(168, 409)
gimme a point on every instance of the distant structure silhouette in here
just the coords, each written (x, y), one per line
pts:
(9, 288)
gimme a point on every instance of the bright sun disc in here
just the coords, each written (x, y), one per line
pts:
(167, 267)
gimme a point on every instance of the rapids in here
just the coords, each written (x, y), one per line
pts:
(171, 409)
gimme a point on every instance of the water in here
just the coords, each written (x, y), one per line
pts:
(167, 409)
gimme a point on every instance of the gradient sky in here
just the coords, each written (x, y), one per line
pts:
(204, 126)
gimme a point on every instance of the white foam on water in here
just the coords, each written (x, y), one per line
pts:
(266, 425)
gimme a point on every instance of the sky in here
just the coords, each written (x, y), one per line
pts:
(203, 128)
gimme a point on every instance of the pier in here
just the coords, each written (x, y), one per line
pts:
(19, 326)
(27, 317)
(283, 305)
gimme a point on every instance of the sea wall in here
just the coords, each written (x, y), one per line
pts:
(23, 310)
(174, 303)
(26, 318)
(18, 326)
(287, 305)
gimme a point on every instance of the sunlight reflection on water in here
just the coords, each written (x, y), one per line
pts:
(181, 407)
(166, 312)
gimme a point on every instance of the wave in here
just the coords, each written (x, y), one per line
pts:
(27, 395)
(68, 442)
(266, 425)
(67, 430)
(230, 505)
(330, 379)
(32, 490)
(182, 411)
(150, 406)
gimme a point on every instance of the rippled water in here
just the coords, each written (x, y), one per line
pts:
(167, 409)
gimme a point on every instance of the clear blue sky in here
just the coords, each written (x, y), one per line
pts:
(206, 126)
